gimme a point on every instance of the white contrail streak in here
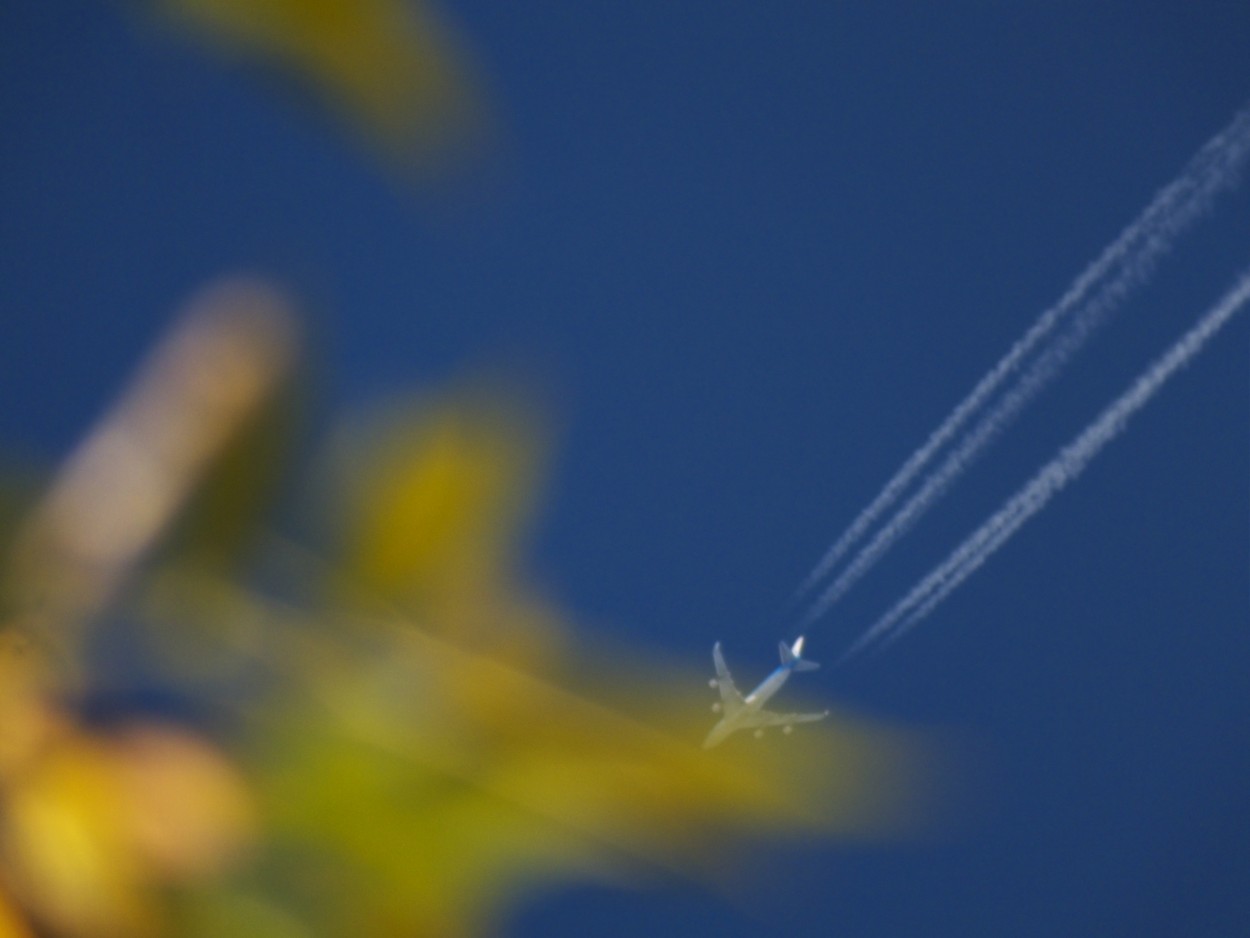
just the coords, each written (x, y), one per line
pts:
(1051, 478)
(1123, 266)
(1134, 271)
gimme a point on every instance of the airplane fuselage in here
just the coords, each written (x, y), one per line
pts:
(769, 686)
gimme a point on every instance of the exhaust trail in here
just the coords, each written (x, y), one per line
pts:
(1123, 266)
(1045, 368)
(1070, 462)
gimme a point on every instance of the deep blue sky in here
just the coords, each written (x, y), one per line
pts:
(758, 251)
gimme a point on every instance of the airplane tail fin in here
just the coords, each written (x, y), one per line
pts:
(791, 657)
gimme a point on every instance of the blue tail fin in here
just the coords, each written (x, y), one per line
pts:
(790, 657)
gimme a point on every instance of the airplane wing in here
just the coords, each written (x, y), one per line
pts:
(730, 698)
(768, 718)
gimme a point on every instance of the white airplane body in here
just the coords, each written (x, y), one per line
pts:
(743, 713)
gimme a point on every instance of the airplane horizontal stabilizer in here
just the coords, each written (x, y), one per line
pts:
(790, 657)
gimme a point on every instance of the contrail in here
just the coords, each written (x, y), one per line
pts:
(1044, 369)
(1123, 266)
(1051, 478)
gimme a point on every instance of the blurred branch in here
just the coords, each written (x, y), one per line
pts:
(124, 485)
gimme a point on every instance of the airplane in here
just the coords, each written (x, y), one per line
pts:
(743, 713)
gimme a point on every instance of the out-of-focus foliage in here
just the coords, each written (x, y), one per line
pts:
(98, 820)
(435, 511)
(95, 822)
(406, 738)
(391, 67)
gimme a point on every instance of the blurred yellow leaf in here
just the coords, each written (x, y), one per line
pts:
(11, 924)
(389, 65)
(190, 811)
(438, 498)
(66, 849)
(93, 824)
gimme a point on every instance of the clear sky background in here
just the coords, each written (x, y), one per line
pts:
(756, 252)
